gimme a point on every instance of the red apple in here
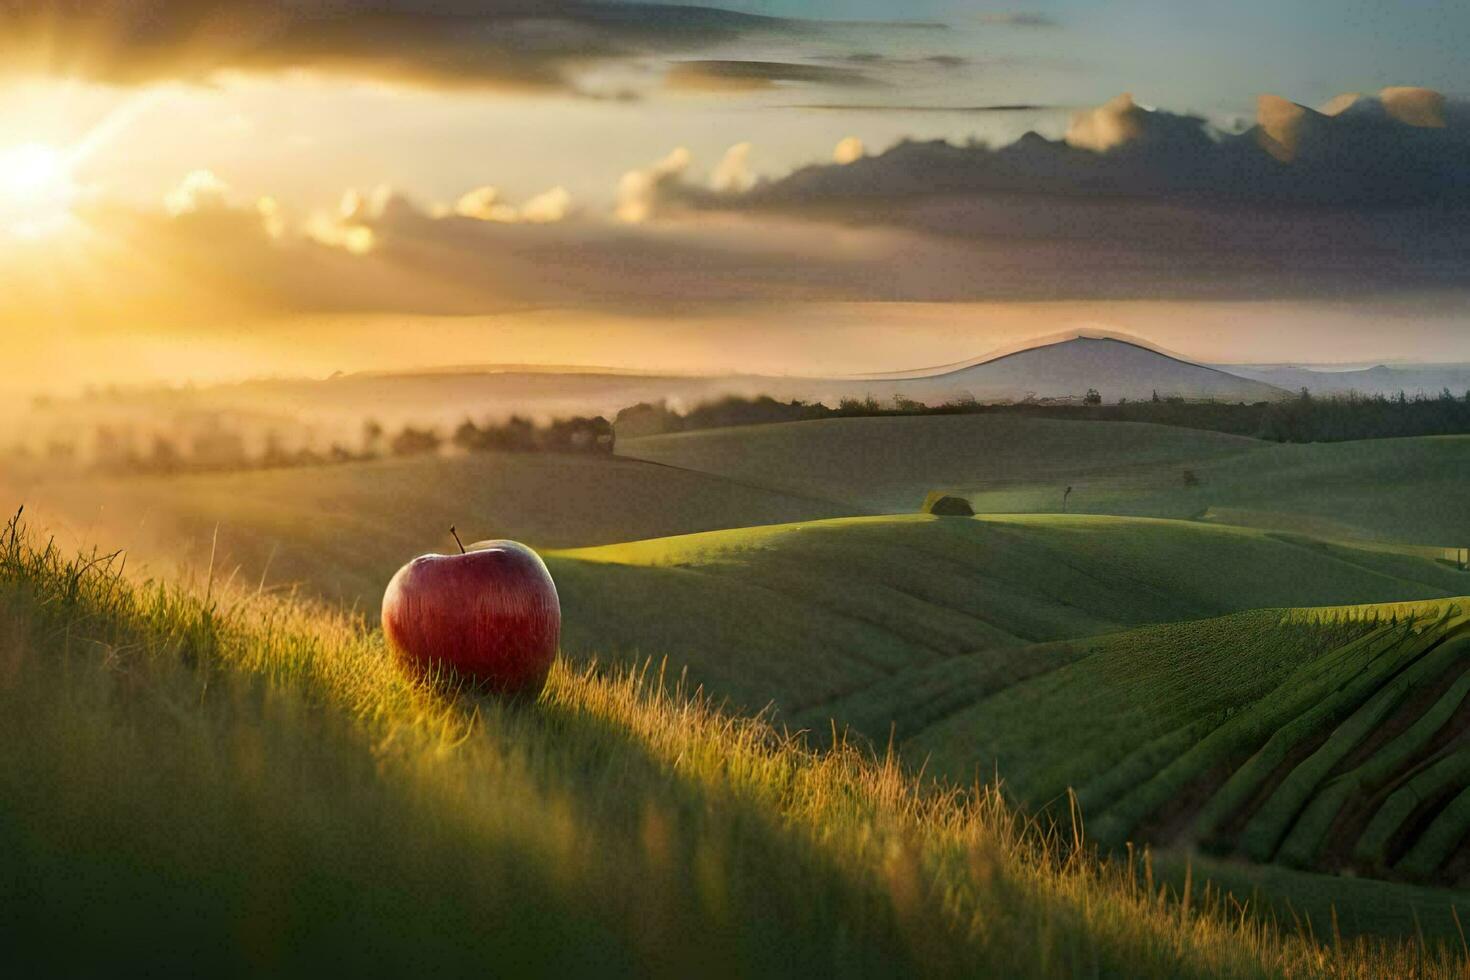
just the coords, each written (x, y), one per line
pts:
(491, 616)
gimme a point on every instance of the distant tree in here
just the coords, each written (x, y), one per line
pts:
(1093, 397)
(165, 456)
(218, 448)
(647, 419)
(61, 451)
(1156, 396)
(908, 406)
(274, 455)
(518, 434)
(855, 406)
(468, 436)
(412, 442)
(112, 448)
(372, 437)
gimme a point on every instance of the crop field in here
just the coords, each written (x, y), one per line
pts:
(181, 763)
(1329, 739)
(1408, 491)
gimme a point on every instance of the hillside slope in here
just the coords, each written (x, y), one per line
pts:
(342, 531)
(1405, 490)
(890, 464)
(1381, 379)
(853, 616)
(1115, 368)
(1330, 739)
(247, 787)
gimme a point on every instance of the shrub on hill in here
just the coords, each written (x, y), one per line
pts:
(941, 504)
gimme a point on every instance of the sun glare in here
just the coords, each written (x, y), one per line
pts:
(36, 189)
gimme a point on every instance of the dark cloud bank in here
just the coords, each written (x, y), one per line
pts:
(1374, 192)
(712, 75)
(514, 44)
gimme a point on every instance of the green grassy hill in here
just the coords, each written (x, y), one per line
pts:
(869, 619)
(1403, 490)
(342, 531)
(1331, 739)
(239, 785)
(889, 464)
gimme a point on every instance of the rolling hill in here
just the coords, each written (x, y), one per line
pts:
(1379, 379)
(890, 464)
(1117, 368)
(1027, 643)
(1325, 739)
(889, 620)
(239, 785)
(341, 531)
(1403, 490)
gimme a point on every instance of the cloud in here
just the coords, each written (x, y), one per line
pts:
(873, 58)
(1415, 106)
(548, 206)
(485, 204)
(200, 190)
(1111, 124)
(910, 108)
(1140, 204)
(1423, 107)
(351, 227)
(639, 190)
(1375, 196)
(848, 150)
(1019, 19)
(510, 44)
(745, 76)
(732, 174)
(1381, 152)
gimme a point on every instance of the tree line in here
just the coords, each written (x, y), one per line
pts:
(214, 448)
(1303, 418)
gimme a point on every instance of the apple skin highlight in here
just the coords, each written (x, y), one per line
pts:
(489, 616)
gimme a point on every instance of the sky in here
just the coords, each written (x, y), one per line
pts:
(194, 190)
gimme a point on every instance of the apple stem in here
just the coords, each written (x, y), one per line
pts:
(456, 539)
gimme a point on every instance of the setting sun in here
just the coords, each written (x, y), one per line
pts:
(36, 189)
